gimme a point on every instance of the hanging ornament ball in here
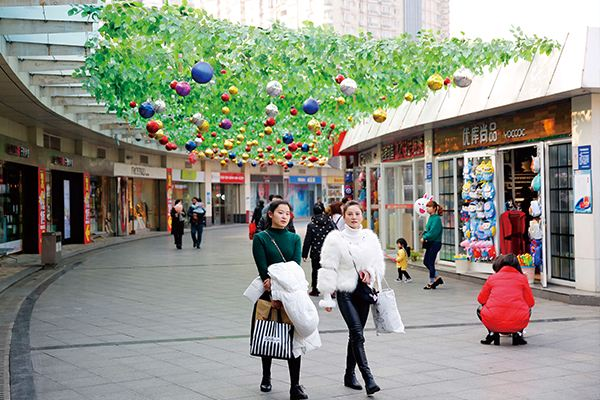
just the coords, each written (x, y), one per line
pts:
(202, 72)
(339, 79)
(341, 101)
(379, 115)
(290, 164)
(271, 110)
(209, 153)
(223, 163)
(463, 77)
(197, 119)
(163, 140)
(313, 159)
(204, 126)
(287, 138)
(225, 124)
(190, 146)
(310, 106)
(228, 144)
(253, 163)
(232, 155)
(348, 86)
(240, 164)
(225, 110)
(159, 134)
(435, 82)
(225, 97)
(183, 88)
(268, 130)
(146, 110)
(274, 89)
(198, 141)
(305, 147)
(159, 106)
(233, 90)
(173, 84)
(288, 156)
(312, 125)
(245, 156)
(293, 111)
(192, 158)
(270, 121)
(322, 162)
(152, 126)
(292, 147)
(132, 104)
(447, 81)
(137, 137)
(409, 96)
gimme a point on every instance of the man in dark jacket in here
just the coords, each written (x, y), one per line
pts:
(196, 214)
(316, 231)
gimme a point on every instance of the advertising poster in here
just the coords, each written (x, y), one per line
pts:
(41, 206)
(582, 191)
(87, 227)
(67, 208)
(169, 197)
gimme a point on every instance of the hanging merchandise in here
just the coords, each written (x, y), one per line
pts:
(478, 213)
(536, 234)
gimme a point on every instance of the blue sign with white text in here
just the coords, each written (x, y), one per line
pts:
(584, 157)
(428, 171)
(305, 179)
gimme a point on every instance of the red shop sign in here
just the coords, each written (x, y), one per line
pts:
(404, 149)
(232, 177)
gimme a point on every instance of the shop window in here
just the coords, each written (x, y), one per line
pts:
(52, 142)
(561, 212)
(446, 192)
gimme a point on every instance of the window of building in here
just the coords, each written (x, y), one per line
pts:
(51, 142)
(100, 152)
(143, 159)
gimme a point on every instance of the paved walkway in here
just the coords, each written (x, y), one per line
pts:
(145, 321)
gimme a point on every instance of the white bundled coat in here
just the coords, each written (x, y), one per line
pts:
(337, 270)
(289, 285)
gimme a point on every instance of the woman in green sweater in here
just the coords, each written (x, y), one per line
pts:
(266, 253)
(432, 243)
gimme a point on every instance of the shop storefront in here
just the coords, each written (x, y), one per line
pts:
(141, 198)
(262, 186)
(334, 189)
(188, 183)
(403, 180)
(302, 193)
(228, 198)
(491, 176)
(366, 186)
(66, 200)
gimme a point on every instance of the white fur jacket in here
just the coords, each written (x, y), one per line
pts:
(337, 270)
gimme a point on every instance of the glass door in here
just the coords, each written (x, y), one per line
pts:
(372, 219)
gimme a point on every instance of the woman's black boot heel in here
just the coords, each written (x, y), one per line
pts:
(351, 381)
(492, 337)
(297, 393)
(365, 371)
(517, 339)
(265, 384)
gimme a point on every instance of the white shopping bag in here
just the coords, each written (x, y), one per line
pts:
(385, 312)
(255, 290)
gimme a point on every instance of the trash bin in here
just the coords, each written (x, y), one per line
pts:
(51, 248)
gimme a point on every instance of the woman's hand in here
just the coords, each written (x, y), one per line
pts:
(276, 304)
(267, 284)
(365, 277)
(328, 309)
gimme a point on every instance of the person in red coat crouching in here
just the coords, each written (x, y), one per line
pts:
(506, 301)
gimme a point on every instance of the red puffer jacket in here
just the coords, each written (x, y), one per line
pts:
(507, 299)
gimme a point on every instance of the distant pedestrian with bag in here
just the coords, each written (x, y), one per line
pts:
(266, 253)
(336, 215)
(350, 261)
(316, 231)
(177, 222)
(432, 243)
(197, 215)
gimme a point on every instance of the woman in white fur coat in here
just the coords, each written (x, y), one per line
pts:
(347, 256)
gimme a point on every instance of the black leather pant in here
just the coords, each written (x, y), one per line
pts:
(355, 312)
(316, 265)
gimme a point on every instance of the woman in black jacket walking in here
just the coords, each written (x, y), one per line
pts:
(316, 231)
(177, 221)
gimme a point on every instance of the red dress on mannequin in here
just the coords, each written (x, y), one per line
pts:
(512, 233)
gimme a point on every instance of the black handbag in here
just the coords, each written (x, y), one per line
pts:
(365, 292)
(426, 244)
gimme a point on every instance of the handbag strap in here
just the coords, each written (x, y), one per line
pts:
(375, 278)
(353, 263)
(278, 249)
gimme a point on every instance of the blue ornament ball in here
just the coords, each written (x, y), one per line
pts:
(253, 163)
(231, 155)
(190, 146)
(305, 147)
(290, 164)
(240, 164)
(202, 72)
(146, 110)
(287, 138)
(310, 106)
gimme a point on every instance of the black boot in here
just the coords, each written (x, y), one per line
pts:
(492, 337)
(363, 365)
(518, 339)
(350, 377)
(265, 383)
(297, 393)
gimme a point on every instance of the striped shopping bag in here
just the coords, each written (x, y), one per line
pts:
(272, 338)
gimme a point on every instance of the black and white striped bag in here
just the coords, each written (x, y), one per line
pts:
(272, 339)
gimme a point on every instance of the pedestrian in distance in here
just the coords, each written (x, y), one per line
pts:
(336, 215)
(197, 215)
(266, 253)
(432, 243)
(402, 260)
(258, 210)
(347, 257)
(506, 301)
(316, 231)
(262, 223)
(177, 222)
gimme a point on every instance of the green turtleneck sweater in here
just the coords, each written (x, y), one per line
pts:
(265, 253)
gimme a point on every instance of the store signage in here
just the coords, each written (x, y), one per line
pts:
(300, 180)
(232, 177)
(335, 180)
(62, 161)
(367, 157)
(17, 151)
(404, 149)
(169, 198)
(533, 124)
(266, 178)
(138, 171)
(582, 191)
(428, 172)
(87, 226)
(584, 157)
(188, 174)
(41, 206)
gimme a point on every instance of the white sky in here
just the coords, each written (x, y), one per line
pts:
(493, 18)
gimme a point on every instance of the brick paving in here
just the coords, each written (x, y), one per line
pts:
(145, 321)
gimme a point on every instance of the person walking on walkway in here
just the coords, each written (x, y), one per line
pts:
(432, 243)
(196, 214)
(266, 253)
(316, 231)
(262, 223)
(336, 215)
(402, 260)
(177, 221)
(347, 257)
(258, 210)
(506, 301)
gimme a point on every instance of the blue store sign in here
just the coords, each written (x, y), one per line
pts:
(584, 157)
(305, 179)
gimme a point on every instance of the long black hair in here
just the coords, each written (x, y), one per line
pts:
(508, 260)
(405, 245)
(273, 206)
